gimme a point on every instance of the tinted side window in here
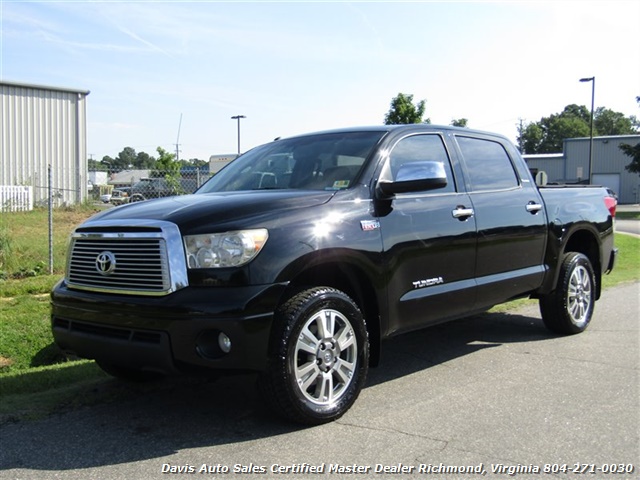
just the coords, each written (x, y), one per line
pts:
(488, 164)
(420, 148)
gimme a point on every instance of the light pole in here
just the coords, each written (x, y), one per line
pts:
(238, 117)
(593, 91)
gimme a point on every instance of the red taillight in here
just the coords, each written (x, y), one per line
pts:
(611, 204)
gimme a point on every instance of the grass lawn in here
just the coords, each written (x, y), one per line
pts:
(24, 240)
(628, 215)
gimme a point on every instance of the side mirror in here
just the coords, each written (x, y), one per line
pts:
(415, 177)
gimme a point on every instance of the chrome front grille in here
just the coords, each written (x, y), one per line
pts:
(125, 259)
(134, 264)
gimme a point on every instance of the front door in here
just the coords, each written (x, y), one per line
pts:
(429, 241)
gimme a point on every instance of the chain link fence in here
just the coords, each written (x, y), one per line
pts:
(48, 194)
(125, 186)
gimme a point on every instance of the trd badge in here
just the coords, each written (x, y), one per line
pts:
(368, 225)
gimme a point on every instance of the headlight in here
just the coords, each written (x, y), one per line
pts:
(220, 250)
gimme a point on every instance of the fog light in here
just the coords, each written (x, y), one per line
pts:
(224, 342)
(213, 344)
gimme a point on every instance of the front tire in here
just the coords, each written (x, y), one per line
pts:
(568, 309)
(319, 357)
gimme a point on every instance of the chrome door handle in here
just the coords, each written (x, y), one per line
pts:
(462, 212)
(533, 207)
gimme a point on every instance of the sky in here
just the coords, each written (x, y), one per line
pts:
(166, 73)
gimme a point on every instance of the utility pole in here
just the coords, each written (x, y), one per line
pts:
(178, 140)
(520, 132)
(593, 90)
(238, 117)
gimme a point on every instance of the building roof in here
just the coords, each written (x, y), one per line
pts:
(604, 137)
(534, 156)
(128, 176)
(44, 87)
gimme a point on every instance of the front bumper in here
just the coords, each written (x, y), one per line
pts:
(170, 334)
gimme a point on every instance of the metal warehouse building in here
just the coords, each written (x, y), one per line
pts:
(44, 127)
(609, 162)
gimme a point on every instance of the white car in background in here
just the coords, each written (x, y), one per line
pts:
(120, 196)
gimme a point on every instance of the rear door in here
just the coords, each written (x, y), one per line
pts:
(510, 220)
(429, 241)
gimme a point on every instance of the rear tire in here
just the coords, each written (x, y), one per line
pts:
(318, 357)
(569, 308)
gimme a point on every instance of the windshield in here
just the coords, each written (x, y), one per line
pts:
(329, 161)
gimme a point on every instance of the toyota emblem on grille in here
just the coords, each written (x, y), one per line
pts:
(105, 263)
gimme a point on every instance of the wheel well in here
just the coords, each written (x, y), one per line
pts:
(354, 283)
(584, 242)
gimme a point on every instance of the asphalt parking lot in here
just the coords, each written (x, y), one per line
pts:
(492, 393)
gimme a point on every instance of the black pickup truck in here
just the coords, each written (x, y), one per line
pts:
(302, 255)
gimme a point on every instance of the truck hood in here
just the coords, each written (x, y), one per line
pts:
(214, 208)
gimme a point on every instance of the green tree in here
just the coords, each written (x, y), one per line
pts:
(196, 162)
(402, 111)
(168, 167)
(548, 134)
(193, 162)
(460, 122)
(632, 151)
(530, 137)
(126, 159)
(107, 163)
(95, 165)
(556, 128)
(144, 161)
(608, 122)
(577, 111)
